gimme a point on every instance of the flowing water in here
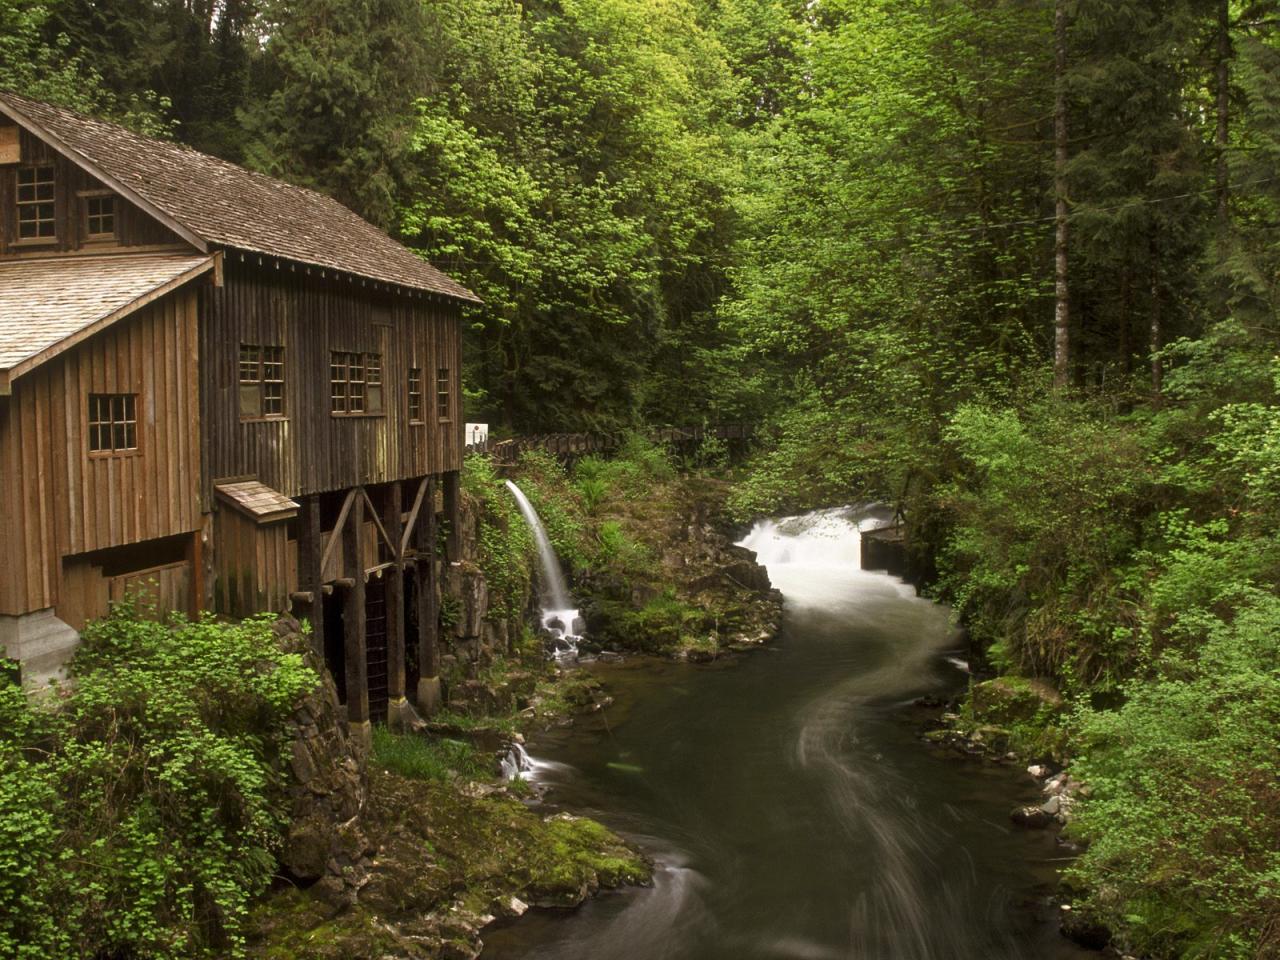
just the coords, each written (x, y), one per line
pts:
(559, 617)
(791, 808)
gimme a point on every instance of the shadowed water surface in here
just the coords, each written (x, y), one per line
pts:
(787, 799)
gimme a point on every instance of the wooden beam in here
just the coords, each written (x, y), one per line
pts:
(412, 523)
(311, 568)
(428, 612)
(353, 621)
(392, 544)
(453, 513)
(335, 536)
(393, 518)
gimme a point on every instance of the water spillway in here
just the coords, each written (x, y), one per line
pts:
(559, 618)
(787, 799)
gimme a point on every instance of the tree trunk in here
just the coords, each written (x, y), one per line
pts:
(1062, 301)
(1223, 108)
(1157, 334)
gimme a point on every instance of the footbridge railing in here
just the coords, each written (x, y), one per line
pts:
(574, 445)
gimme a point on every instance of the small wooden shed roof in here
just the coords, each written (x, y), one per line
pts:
(211, 202)
(49, 305)
(257, 500)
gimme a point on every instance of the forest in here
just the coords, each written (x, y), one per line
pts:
(1009, 266)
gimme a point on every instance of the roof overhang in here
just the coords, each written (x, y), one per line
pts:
(211, 264)
(57, 143)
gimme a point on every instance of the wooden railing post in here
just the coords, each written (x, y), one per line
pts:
(353, 625)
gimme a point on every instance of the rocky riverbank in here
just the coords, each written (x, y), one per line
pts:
(411, 851)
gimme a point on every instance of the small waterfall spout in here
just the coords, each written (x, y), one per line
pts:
(559, 617)
(516, 765)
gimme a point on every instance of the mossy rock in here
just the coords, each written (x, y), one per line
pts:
(1010, 700)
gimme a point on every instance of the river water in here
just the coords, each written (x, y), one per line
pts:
(786, 796)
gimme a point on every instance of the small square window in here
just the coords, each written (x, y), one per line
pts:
(99, 217)
(113, 422)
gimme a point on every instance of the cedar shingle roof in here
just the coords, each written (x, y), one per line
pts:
(77, 296)
(259, 501)
(230, 206)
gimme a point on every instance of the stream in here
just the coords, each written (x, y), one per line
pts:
(786, 796)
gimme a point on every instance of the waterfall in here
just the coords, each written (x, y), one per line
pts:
(516, 765)
(813, 557)
(559, 617)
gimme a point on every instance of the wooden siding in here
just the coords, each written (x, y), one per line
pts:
(65, 501)
(310, 450)
(251, 564)
(134, 228)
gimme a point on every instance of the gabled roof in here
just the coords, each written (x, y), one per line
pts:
(78, 296)
(206, 199)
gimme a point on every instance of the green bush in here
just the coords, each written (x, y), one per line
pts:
(1183, 816)
(141, 810)
(506, 546)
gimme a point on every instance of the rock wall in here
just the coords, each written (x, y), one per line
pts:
(327, 782)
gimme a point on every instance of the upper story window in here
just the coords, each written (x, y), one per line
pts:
(113, 422)
(99, 217)
(415, 395)
(36, 209)
(355, 384)
(261, 382)
(443, 395)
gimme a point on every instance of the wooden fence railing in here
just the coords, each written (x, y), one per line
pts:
(573, 445)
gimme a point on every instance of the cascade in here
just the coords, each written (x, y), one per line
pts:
(516, 765)
(559, 617)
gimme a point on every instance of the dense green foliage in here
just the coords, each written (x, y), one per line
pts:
(140, 812)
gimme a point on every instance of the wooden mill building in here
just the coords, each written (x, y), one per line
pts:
(217, 391)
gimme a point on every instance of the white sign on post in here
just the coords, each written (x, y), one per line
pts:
(477, 435)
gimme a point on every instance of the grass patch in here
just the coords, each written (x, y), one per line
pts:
(429, 758)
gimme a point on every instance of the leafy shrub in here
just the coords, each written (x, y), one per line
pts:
(140, 812)
(506, 546)
(1183, 818)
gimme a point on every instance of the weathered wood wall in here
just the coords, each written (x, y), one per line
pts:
(310, 450)
(252, 564)
(61, 499)
(134, 228)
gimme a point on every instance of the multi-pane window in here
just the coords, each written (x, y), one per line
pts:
(443, 393)
(261, 381)
(113, 422)
(355, 383)
(36, 211)
(373, 382)
(99, 217)
(415, 395)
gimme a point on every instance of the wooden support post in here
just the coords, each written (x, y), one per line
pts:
(429, 690)
(453, 513)
(353, 623)
(399, 713)
(310, 574)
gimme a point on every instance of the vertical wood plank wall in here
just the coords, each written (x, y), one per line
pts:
(251, 564)
(64, 501)
(311, 451)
